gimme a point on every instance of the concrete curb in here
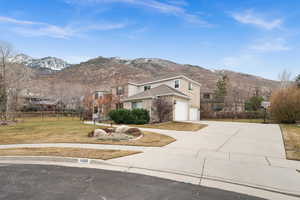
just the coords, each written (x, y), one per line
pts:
(181, 176)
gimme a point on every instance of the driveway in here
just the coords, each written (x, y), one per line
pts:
(242, 157)
(245, 154)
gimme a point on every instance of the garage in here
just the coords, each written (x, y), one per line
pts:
(194, 114)
(181, 111)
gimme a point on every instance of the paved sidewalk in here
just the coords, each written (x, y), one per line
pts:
(240, 157)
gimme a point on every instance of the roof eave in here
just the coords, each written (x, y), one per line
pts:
(165, 79)
(151, 97)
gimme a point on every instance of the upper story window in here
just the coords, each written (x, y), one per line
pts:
(190, 86)
(96, 95)
(147, 87)
(120, 90)
(177, 84)
(206, 96)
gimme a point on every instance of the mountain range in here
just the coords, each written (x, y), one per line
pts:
(101, 73)
(44, 64)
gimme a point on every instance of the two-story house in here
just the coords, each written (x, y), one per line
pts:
(182, 92)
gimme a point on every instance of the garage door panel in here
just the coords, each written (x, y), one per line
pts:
(194, 114)
(181, 111)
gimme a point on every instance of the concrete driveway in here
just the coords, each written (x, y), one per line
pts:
(241, 157)
(242, 154)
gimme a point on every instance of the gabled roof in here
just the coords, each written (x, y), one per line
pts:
(47, 102)
(162, 78)
(162, 90)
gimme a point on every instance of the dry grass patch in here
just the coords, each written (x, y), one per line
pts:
(291, 137)
(67, 152)
(176, 126)
(68, 130)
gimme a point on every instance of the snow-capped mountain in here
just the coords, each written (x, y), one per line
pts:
(47, 63)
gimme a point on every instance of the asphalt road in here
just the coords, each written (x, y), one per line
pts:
(40, 182)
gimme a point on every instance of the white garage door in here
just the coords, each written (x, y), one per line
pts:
(194, 114)
(181, 111)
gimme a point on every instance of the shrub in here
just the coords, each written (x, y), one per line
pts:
(254, 103)
(124, 116)
(285, 105)
(121, 116)
(141, 116)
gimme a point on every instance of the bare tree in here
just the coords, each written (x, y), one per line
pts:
(18, 78)
(162, 108)
(285, 79)
(5, 53)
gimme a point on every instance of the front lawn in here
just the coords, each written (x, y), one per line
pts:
(102, 154)
(291, 136)
(176, 126)
(68, 130)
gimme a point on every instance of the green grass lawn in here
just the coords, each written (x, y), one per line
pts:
(67, 130)
(291, 136)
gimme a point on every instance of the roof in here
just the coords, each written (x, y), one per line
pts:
(162, 78)
(162, 90)
(47, 102)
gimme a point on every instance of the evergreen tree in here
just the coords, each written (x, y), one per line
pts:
(221, 91)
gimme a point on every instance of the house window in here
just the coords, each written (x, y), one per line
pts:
(135, 105)
(95, 109)
(206, 96)
(190, 86)
(147, 87)
(119, 106)
(120, 90)
(96, 95)
(176, 84)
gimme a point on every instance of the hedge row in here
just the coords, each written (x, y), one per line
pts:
(135, 116)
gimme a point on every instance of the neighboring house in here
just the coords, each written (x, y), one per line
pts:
(102, 104)
(49, 105)
(30, 101)
(183, 93)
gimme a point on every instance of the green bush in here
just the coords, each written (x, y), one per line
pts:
(124, 116)
(141, 116)
(254, 103)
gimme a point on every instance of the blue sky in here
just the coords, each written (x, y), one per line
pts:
(259, 37)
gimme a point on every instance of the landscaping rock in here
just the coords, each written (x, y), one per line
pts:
(99, 132)
(122, 129)
(134, 132)
(109, 130)
(115, 137)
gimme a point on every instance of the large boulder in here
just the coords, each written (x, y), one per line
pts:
(99, 132)
(122, 129)
(134, 132)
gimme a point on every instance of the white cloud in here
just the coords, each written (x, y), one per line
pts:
(33, 28)
(175, 8)
(249, 17)
(278, 44)
(15, 21)
(178, 2)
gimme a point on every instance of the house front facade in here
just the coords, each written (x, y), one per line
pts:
(180, 91)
